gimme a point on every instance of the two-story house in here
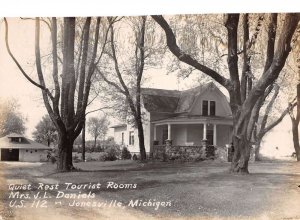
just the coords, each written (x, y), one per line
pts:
(185, 117)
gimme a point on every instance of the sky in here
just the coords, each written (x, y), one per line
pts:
(14, 85)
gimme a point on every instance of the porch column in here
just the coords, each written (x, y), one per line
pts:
(154, 131)
(215, 135)
(169, 131)
(204, 130)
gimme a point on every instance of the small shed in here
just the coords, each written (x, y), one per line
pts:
(16, 147)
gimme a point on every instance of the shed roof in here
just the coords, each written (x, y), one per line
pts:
(5, 142)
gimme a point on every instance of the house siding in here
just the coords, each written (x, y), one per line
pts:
(195, 134)
(118, 135)
(222, 108)
(179, 134)
(32, 155)
(40, 155)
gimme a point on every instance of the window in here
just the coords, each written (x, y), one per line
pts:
(26, 150)
(208, 108)
(122, 138)
(212, 108)
(35, 151)
(131, 138)
(205, 107)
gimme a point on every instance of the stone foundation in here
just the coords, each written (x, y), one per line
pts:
(183, 153)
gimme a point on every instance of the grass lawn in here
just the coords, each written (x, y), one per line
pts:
(201, 190)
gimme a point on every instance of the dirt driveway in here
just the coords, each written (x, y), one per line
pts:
(203, 190)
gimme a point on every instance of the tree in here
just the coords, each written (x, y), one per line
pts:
(72, 76)
(266, 123)
(45, 131)
(243, 94)
(98, 127)
(296, 119)
(11, 120)
(125, 78)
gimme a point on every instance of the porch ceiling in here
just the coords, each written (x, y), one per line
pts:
(195, 120)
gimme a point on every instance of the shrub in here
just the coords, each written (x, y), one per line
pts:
(103, 156)
(88, 158)
(76, 159)
(113, 152)
(134, 157)
(126, 155)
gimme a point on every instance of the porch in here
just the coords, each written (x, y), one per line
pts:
(193, 131)
(191, 139)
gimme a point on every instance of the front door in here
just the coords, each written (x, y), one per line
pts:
(9, 154)
(210, 137)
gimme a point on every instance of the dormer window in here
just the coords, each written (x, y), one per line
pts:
(208, 108)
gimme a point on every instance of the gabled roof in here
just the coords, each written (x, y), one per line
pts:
(187, 97)
(5, 142)
(173, 101)
(119, 126)
(160, 100)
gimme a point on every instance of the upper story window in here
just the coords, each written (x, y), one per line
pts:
(131, 137)
(205, 107)
(212, 109)
(208, 108)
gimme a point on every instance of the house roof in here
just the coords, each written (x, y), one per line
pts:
(160, 100)
(119, 126)
(14, 135)
(5, 142)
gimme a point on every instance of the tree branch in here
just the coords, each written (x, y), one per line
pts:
(271, 41)
(284, 113)
(174, 48)
(18, 64)
(110, 82)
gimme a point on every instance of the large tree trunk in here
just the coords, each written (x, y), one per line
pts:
(141, 140)
(257, 150)
(241, 155)
(65, 147)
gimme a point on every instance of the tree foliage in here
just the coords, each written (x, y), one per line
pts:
(11, 120)
(45, 131)
(134, 47)
(98, 127)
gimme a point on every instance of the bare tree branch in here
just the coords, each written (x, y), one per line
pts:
(174, 48)
(18, 64)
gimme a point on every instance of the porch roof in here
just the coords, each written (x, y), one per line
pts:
(188, 119)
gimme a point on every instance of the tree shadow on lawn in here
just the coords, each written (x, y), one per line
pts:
(216, 195)
(195, 189)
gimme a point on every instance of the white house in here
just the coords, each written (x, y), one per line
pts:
(16, 147)
(185, 117)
